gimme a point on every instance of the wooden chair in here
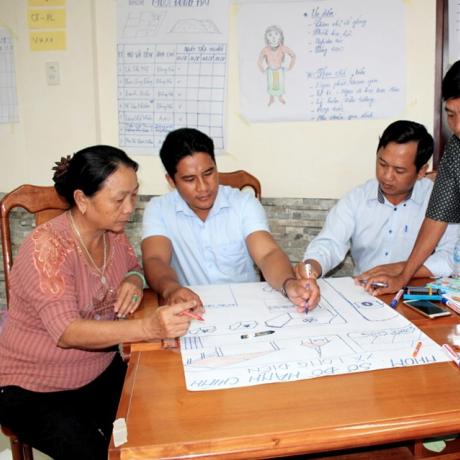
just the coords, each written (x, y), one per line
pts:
(241, 179)
(45, 203)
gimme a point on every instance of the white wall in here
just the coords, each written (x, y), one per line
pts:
(314, 159)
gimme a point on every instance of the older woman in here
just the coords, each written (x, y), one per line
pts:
(60, 373)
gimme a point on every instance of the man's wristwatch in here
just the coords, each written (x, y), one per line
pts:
(285, 282)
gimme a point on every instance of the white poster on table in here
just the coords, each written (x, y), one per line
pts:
(252, 335)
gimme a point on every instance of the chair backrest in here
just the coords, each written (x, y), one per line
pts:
(241, 179)
(44, 202)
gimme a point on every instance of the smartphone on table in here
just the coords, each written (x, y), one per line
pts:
(427, 308)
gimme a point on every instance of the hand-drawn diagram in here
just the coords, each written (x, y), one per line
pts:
(336, 75)
(370, 308)
(271, 60)
(144, 24)
(195, 26)
(172, 71)
(251, 336)
(377, 339)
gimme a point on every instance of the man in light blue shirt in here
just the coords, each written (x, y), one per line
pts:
(379, 220)
(204, 233)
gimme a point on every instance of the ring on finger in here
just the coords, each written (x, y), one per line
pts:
(134, 298)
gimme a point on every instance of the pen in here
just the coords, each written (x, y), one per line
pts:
(451, 353)
(308, 272)
(448, 303)
(416, 349)
(396, 298)
(379, 284)
(192, 315)
(375, 284)
(451, 304)
(257, 334)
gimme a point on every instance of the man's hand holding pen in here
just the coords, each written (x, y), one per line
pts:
(304, 290)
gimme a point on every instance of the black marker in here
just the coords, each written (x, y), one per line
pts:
(257, 334)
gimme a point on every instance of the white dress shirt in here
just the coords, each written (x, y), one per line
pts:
(378, 232)
(213, 251)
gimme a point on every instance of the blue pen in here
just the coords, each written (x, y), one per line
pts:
(396, 298)
(451, 304)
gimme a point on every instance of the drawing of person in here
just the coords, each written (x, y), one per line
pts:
(271, 60)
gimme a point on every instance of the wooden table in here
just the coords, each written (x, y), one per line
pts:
(321, 415)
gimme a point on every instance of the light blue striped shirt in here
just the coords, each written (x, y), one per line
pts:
(213, 251)
(378, 232)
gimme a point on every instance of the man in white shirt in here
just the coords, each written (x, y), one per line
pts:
(205, 233)
(380, 219)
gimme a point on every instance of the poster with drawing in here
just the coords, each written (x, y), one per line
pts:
(172, 70)
(252, 335)
(321, 60)
(454, 31)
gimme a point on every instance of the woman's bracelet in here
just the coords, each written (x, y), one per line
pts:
(140, 275)
(283, 287)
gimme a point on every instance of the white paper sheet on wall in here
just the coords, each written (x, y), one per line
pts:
(172, 70)
(321, 60)
(252, 335)
(454, 30)
(8, 95)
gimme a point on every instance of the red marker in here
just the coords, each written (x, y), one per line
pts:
(192, 315)
(416, 349)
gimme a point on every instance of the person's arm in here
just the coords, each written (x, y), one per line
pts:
(315, 268)
(393, 269)
(165, 322)
(291, 55)
(161, 277)
(330, 246)
(440, 262)
(428, 237)
(262, 60)
(277, 270)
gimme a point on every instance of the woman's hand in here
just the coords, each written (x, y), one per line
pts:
(168, 321)
(129, 296)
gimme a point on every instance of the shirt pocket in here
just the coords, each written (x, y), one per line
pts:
(232, 258)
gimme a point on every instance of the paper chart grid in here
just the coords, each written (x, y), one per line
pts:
(163, 87)
(8, 97)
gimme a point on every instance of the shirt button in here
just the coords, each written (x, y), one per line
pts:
(395, 209)
(386, 253)
(390, 231)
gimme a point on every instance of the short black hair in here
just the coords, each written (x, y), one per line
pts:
(404, 131)
(451, 82)
(88, 169)
(182, 142)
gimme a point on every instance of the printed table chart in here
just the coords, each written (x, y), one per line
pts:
(168, 86)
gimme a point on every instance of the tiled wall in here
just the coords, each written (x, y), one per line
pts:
(293, 221)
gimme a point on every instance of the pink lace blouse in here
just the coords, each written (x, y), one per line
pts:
(52, 285)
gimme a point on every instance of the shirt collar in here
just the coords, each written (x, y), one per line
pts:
(381, 196)
(220, 203)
